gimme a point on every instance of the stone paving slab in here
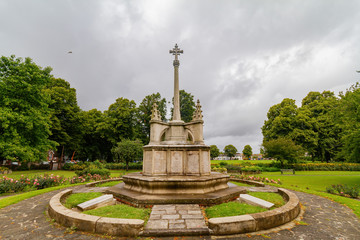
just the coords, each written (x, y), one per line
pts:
(167, 219)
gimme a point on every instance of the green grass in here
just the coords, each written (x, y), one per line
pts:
(32, 173)
(232, 209)
(75, 199)
(240, 161)
(108, 184)
(315, 182)
(121, 211)
(67, 174)
(20, 197)
(274, 198)
(242, 184)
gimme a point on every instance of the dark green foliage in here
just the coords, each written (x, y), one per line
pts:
(214, 151)
(247, 151)
(128, 151)
(144, 114)
(94, 168)
(283, 150)
(187, 106)
(230, 150)
(349, 118)
(344, 189)
(24, 110)
(66, 122)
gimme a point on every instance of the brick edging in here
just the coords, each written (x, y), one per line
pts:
(258, 221)
(95, 224)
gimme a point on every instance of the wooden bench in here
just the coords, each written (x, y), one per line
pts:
(287, 170)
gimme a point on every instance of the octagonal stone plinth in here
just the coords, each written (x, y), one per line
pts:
(175, 184)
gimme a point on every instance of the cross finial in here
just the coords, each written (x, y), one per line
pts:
(176, 51)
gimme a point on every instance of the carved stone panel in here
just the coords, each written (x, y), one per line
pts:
(206, 162)
(159, 162)
(176, 166)
(193, 162)
(147, 163)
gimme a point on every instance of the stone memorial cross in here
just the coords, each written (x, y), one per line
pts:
(176, 113)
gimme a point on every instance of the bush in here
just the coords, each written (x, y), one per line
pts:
(343, 190)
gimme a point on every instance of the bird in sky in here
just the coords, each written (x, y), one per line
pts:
(70, 52)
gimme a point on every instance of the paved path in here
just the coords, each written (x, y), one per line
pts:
(27, 220)
(167, 220)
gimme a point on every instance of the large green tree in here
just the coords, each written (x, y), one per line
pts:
(230, 150)
(24, 112)
(94, 144)
(349, 118)
(214, 151)
(282, 149)
(247, 151)
(127, 151)
(324, 129)
(66, 124)
(144, 114)
(120, 121)
(281, 120)
(187, 106)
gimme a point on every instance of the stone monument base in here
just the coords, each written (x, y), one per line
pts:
(142, 190)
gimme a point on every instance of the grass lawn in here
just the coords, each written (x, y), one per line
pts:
(315, 182)
(121, 211)
(242, 184)
(67, 174)
(240, 161)
(274, 198)
(108, 184)
(232, 209)
(236, 208)
(32, 173)
(75, 199)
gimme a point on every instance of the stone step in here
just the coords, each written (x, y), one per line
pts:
(176, 220)
(104, 200)
(255, 201)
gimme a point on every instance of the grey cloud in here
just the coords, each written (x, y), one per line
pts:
(240, 57)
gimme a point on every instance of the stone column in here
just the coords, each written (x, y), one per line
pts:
(176, 112)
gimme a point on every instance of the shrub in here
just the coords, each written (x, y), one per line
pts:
(343, 190)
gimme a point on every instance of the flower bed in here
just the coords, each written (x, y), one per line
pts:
(10, 185)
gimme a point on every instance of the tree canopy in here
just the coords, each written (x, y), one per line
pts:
(24, 110)
(214, 151)
(187, 106)
(127, 151)
(247, 151)
(144, 114)
(282, 149)
(230, 151)
(65, 120)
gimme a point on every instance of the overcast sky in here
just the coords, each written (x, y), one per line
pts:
(240, 57)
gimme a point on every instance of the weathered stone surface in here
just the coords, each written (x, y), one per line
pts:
(119, 227)
(104, 200)
(255, 201)
(176, 166)
(232, 225)
(189, 223)
(157, 224)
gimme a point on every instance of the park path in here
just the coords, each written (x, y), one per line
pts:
(27, 220)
